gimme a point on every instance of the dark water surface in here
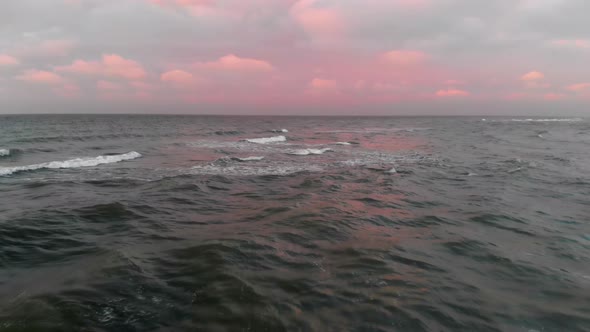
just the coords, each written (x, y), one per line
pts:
(152, 223)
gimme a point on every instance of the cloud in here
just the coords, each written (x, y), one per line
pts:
(111, 65)
(319, 23)
(553, 96)
(404, 57)
(532, 76)
(452, 93)
(322, 86)
(535, 80)
(573, 43)
(7, 60)
(233, 63)
(579, 87)
(40, 76)
(178, 78)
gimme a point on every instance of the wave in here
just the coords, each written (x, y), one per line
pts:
(4, 152)
(343, 143)
(305, 152)
(72, 163)
(227, 132)
(280, 130)
(265, 140)
(252, 158)
(243, 170)
(549, 120)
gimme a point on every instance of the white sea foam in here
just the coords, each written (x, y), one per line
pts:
(72, 163)
(392, 170)
(343, 143)
(4, 152)
(252, 158)
(266, 140)
(244, 170)
(549, 120)
(305, 152)
(280, 130)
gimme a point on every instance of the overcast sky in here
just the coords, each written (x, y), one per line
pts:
(296, 56)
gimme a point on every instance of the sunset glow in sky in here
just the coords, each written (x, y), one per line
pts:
(295, 56)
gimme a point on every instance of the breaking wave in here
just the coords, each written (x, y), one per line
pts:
(4, 152)
(305, 152)
(252, 158)
(266, 140)
(72, 163)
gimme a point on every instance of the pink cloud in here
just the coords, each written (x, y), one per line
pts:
(111, 65)
(178, 77)
(533, 76)
(7, 60)
(317, 22)
(234, 63)
(535, 80)
(553, 96)
(40, 76)
(576, 43)
(404, 57)
(452, 93)
(579, 87)
(322, 86)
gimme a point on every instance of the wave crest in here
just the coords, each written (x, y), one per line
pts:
(265, 140)
(305, 152)
(72, 163)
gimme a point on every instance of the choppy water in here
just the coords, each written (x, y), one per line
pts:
(172, 223)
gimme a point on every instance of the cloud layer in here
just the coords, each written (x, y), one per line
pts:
(289, 56)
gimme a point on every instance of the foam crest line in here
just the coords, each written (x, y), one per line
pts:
(4, 152)
(265, 140)
(305, 152)
(72, 163)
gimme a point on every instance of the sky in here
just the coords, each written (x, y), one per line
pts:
(309, 57)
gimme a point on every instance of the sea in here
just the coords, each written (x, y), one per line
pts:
(235, 223)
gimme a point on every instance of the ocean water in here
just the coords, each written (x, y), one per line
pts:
(192, 223)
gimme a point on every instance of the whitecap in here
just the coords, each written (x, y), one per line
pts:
(252, 158)
(392, 170)
(343, 143)
(265, 140)
(4, 152)
(72, 163)
(514, 170)
(280, 130)
(305, 152)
